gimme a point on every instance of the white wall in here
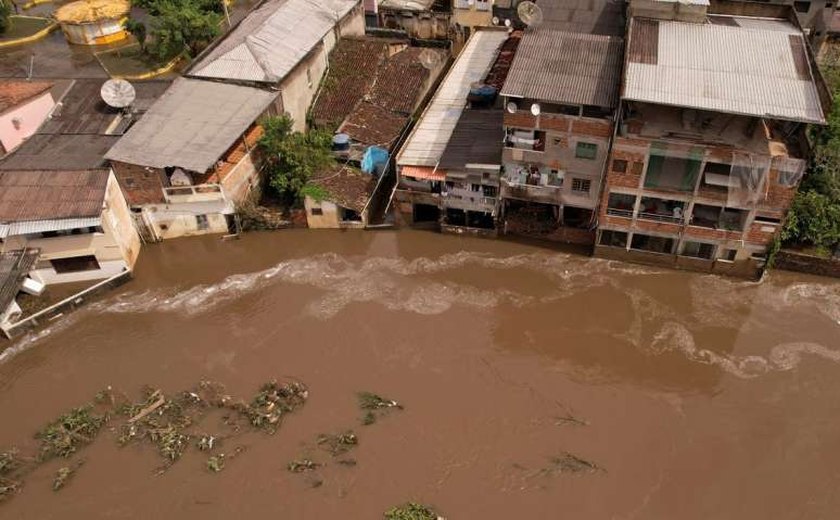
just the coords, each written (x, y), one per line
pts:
(30, 116)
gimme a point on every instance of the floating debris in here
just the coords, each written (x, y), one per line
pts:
(206, 442)
(216, 463)
(9, 461)
(338, 444)
(412, 511)
(62, 437)
(299, 466)
(161, 421)
(568, 463)
(64, 474)
(347, 462)
(271, 403)
(374, 405)
(570, 420)
(7, 488)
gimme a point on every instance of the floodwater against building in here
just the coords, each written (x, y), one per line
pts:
(691, 396)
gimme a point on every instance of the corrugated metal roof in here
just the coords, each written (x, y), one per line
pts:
(563, 67)
(584, 16)
(60, 152)
(269, 42)
(39, 226)
(477, 139)
(427, 141)
(38, 195)
(14, 267)
(192, 125)
(695, 66)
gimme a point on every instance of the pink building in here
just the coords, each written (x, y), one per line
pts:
(24, 105)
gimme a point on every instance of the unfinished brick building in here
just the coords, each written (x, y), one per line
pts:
(711, 141)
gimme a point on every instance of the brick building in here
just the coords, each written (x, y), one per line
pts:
(711, 145)
(560, 100)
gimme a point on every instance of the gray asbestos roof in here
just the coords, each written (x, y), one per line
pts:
(695, 65)
(192, 125)
(268, 43)
(563, 67)
(430, 136)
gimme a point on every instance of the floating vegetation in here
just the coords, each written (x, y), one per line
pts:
(374, 405)
(299, 466)
(347, 462)
(9, 461)
(64, 474)
(338, 444)
(159, 420)
(272, 403)
(8, 487)
(568, 463)
(62, 437)
(206, 442)
(216, 463)
(411, 511)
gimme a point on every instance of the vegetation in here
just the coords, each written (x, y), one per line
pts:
(76, 428)
(5, 13)
(293, 157)
(411, 511)
(374, 405)
(177, 26)
(814, 217)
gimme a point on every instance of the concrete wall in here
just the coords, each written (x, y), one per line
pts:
(299, 87)
(241, 180)
(330, 217)
(30, 116)
(470, 15)
(115, 249)
(180, 220)
(794, 261)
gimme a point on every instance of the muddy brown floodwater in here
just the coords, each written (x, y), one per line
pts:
(694, 396)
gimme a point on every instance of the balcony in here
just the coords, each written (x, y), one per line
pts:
(621, 205)
(718, 218)
(531, 184)
(469, 200)
(661, 210)
(190, 194)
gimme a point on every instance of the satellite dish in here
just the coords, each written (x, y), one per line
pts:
(535, 109)
(430, 59)
(511, 107)
(117, 93)
(507, 22)
(530, 13)
(495, 20)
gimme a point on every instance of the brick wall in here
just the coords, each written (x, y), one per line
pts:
(711, 234)
(795, 261)
(657, 227)
(592, 127)
(761, 234)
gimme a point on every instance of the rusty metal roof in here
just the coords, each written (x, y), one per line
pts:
(477, 139)
(49, 195)
(13, 93)
(584, 16)
(695, 65)
(564, 67)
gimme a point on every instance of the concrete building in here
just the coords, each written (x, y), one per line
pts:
(190, 158)
(24, 105)
(78, 220)
(472, 13)
(343, 200)
(422, 19)
(560, 100)
(420, 180)
(283, 45)
(710, 145)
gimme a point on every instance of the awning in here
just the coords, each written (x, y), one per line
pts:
(40, 226)
(423, 172)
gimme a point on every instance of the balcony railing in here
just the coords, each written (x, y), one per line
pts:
(197, 193)
(615, 212)
(661, 218)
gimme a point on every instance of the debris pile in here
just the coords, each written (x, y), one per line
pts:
(299, 466)
(338, 444)
(272, 403)
(412, 511)
(76, 428)
(374, 406)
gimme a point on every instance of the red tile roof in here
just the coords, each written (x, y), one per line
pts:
(347, 187)
(353, 66)
(13, 93)
(401, 80)
(371, 124)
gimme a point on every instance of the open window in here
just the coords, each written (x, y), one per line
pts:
(662, 210)
(621, 204)
(652, 244)
(526, 140)
(675, 170)
(701, 250)
(613, 238)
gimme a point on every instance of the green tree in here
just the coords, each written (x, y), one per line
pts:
(814, 219)
(5, 12)
(182, 28)
(138, 30)
(293, 157)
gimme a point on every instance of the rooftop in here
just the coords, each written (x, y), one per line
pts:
(604, 17)
(50, 195)
(477, 139)
(692, 65)
(60, 151)
(13, 93)
(347, 187)
(428, 140)
(406, 5)
(567, 68)
(192, 125)
(14, 267)
(268, 43)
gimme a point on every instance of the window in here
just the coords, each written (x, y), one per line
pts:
(638, 167)
(75, 264)
(802, 7)
(488, 191)
(74, 231)
(672, 172)
(201, 222)
(767, 220)
(621, 205)
(526, 140)
(316, 212)
(475, 188)
(619, 166)
(581, 185)
(729, 255)
(699, 250)
(586, 151)
(653, 244)
(309, 77)
(613, 238)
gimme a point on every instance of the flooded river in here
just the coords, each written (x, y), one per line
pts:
(692, 396)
